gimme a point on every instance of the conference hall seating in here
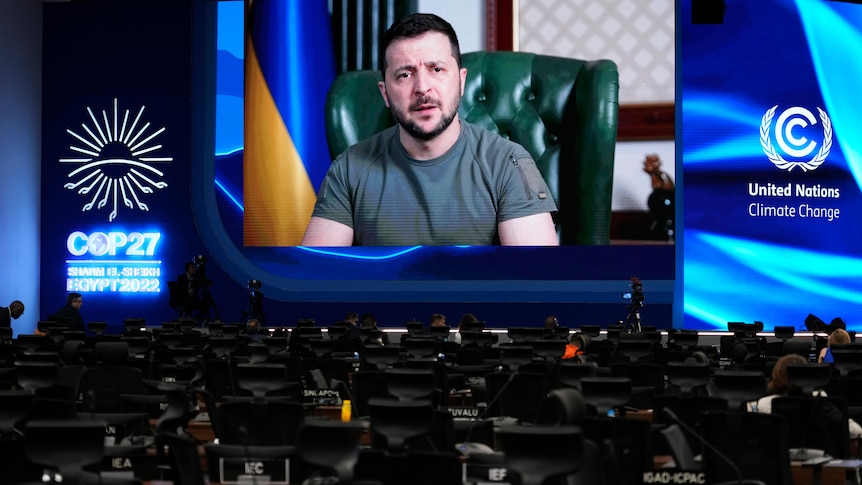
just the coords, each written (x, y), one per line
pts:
(410, 403)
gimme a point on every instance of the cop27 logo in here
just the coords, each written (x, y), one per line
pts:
(798, 147)
(116, 157)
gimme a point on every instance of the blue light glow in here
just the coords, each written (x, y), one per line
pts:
(350, 252)
(229, 195)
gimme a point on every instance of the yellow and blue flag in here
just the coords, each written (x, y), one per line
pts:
(289, 66)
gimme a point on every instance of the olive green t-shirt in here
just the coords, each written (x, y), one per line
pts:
(459, 198)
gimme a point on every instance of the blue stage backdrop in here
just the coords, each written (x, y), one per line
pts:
(116, 218)
(772, 162)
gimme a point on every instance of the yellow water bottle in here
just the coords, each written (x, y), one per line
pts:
(345, 411)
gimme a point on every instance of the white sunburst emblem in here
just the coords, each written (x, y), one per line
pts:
(791, 144)
(116, 170)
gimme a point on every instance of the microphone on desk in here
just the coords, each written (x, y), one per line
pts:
(90, 402)
(468, 448)
(804, 453)
(676, 419)
(244, 438)
(343, 393)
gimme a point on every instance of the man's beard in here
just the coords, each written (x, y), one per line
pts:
(414, 130)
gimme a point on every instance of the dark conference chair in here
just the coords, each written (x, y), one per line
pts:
(331, 445)
(66, 446)
(563, 111)
(540, 453)
(756, 443)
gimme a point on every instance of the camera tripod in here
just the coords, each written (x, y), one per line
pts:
(208, 304)
(633, 320)
(255, 308)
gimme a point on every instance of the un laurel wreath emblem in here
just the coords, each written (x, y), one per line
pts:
(778, 160)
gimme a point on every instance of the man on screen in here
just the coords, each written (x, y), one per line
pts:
(432, 179)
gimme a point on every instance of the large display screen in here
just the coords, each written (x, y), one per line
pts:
(571, 274)
(772, 161)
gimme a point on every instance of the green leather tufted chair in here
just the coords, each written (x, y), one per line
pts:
(563, 111)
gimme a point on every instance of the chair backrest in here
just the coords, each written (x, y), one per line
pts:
(688, 409)
(261, 379)
(606, 393)
(819, 423)
(101, 388)
(755, 442)
(270, 423)
(846, 358)
(410, 384)
(739, 386)
(380, 357)
(687, 375)
(563, 406)
(331, 444)
(66, 445)
(398, 421)
(629, 445)
(563, 111)
(570, 373)
(539, 453)
(14, 405)
(33, 375)
(809, 376)
(419, 347)
(112, 353)
(797, 345)
(517, 395)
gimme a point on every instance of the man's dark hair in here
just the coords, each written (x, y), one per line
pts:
(72, 297)
(415, 25)
(189, 265)
(368, 320)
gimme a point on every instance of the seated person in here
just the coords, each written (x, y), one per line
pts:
(575, 347)
(837, 337)
(253, 331)
(70, 312)
(371, 334)
(780, 386)
(351, 321)
(465, 319)
(437, 320)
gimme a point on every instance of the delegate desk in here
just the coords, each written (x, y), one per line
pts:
(837, 472)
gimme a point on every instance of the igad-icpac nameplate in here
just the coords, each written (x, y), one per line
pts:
(241, 471)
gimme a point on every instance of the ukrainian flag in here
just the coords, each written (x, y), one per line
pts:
(288, 69)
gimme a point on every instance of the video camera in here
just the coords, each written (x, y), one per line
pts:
(254, 289)
(636, 296)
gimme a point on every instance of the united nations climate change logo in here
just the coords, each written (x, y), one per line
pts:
(116, 165)
(798, 147)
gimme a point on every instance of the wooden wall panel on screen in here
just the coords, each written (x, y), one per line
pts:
(500, 25)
